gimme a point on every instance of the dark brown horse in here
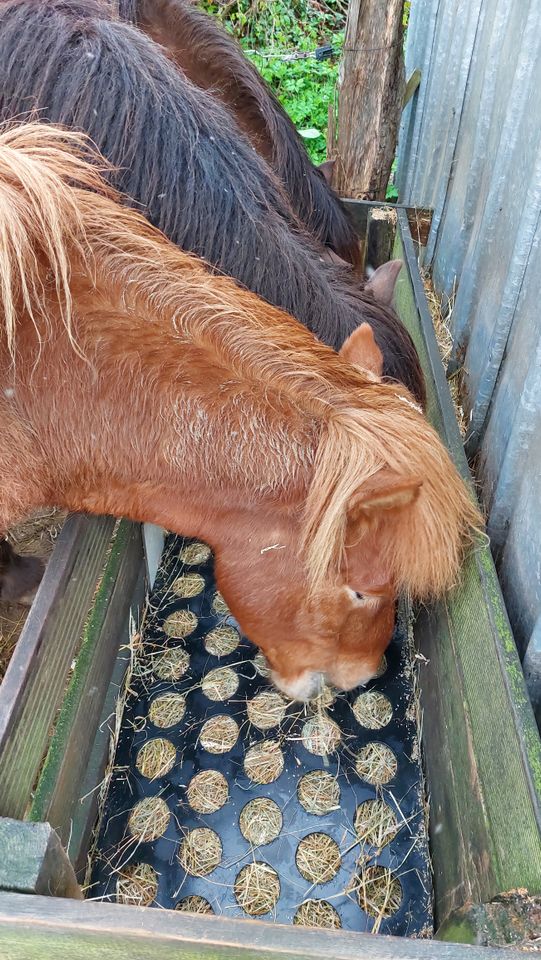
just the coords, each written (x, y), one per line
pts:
(181, 157)
(213, 60)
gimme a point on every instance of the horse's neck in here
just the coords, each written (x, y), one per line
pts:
(147, 428)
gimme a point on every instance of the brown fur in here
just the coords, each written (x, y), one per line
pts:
(137, 384)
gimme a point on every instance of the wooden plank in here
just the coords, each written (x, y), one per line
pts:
(36, 677)
(34, 861)
(513, 918)
(59, 788)
(37, 928)
(481, 744)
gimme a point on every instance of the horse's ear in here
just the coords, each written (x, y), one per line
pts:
(383, 281)
(385, 491)
(361, 350)
(327, 168)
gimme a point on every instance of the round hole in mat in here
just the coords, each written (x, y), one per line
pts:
(318, 858)
(379, 892)
(221, 641)
(372, 710)
(136, 885)
(195, 553)
(260, 821)
(220, 684)
(180, 624)
(188, 585)
(376, 763)
(257, 888)
(264, 762)
(207, 791)
(375, 823)
(219, 734)
(317, 913)
(318, 792)
(321, 735)
(219, 605)
(261, 665)
(200, 852)
(324, 698)
(167, 709)
(194, 904)
(149, 819)
(171, 664)
(155, 758)
(266, 710)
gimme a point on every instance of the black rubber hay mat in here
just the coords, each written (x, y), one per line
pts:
(227, 798)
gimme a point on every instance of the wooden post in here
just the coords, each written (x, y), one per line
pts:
(371, 95)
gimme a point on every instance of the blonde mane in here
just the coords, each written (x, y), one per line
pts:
(55, 209)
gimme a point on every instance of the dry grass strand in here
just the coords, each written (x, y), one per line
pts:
(219, 734)
(221, 641)
(318, 858)
(195, 553)
(149, 819)
(260, 821)
(188, 585)
(318, 792)
(266, 710)
(372, 710)
(171, 664)
(257, 888)
(155, 758)
(180, 624)
(264, 762)
(207, 791)
(167, 710)
(379, 893)
(194, 904)
(136, 885)
(200, 852)
(317, 913)
(375, 823)
(321, 735)
(220, 684)
(376, 763)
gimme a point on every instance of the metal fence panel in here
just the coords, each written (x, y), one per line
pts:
(470, 147)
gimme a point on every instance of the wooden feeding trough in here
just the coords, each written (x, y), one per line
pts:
(481, 748)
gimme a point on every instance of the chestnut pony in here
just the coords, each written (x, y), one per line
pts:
(213, 60)
(135, 383)
(179, 155)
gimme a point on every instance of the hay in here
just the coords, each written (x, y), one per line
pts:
(219, 605)
(317, 913)
(136, 885)
(372, 710)
(260, 821)
(200, 852)
(220, 684)
(195, 553)
(261, 665)
(219, 734)
(321, 735)
(194, 904)
(180, 624)
(318, 792)
(221, 641)
(318, 858)
(266, 710)
(379, 893)
(264, 762)
(188, 585)
(257, 888)
(375, 823)
(441, 310)
(171, 664)
(149, 819)
(167, 709)
(155, 758)
(376, 763)
(207, 791)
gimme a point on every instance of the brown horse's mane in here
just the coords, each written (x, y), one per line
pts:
(58, 219)
(213, 60)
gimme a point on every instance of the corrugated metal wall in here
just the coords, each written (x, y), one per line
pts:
(470, 148)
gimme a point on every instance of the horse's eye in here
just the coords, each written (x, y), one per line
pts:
(360, 596)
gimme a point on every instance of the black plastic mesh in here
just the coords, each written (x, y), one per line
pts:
(378, 874)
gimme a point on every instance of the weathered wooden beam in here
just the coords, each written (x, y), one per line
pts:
(32, 860)
(512, 919)
(480, 741)
(419, 218)
(38, 928)
(36, 677)
(59, 790)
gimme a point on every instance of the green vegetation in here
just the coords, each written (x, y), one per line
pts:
(268, 30)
